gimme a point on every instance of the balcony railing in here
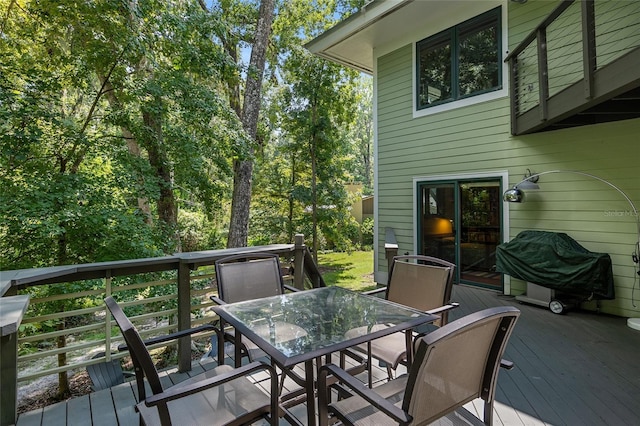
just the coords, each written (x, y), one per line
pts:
(583, 54)
(66, 321)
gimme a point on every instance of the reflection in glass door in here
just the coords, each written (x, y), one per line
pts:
(480, 224)
(460, 222)
(437, 223)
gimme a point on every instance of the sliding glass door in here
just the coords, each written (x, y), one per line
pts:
(459, 221)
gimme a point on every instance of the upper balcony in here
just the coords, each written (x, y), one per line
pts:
(579, 66)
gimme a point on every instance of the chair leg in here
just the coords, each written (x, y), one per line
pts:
(488, 413)
(369, 365)
(389, 372)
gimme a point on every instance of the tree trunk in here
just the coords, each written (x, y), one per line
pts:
(132, 144)
(167, 207)
(314, 202)
(63, 378)
(243, 169)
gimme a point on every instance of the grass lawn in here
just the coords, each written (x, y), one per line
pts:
(349, 270)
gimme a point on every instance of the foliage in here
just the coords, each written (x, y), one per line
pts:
(120, 124)
(84, 83)
(115, 115)
(366, 230)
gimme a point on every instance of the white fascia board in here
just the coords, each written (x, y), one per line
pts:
(369, 14)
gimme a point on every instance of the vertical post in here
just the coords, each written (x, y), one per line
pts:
(107, 318)
(298, 262)
(543, 73)
(184, 316)
(588, 46)
(13, 309)
(513, 74)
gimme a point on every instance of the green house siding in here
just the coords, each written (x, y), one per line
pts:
(477, 138)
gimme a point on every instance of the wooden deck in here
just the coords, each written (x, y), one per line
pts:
(575, 369)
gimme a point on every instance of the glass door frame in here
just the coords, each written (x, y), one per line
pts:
(456, 179)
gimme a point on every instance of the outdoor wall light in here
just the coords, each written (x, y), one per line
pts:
(516, 195)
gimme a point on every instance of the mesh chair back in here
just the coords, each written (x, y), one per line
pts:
(142, 361)
(458, 363)
(246, 277)
(419, 285)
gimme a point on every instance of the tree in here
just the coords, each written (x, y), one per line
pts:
(249, 111)
(361, 134)
(84, 86)
(243, 168)
(315, 114)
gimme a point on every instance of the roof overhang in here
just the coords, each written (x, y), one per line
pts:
(351, 41)
(384, 25)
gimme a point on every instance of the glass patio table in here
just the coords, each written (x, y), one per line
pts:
(299, 327)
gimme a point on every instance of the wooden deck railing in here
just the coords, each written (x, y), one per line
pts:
(66, 321)
(567, 48)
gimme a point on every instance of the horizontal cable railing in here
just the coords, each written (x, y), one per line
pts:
(617, 29)
(77, 334)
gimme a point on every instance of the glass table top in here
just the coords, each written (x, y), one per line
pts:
(302, 325)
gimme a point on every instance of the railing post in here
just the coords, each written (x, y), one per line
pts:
(13, 309)
(515, 93)
(543, 73)
(184, 316)
(107, 317)
(298, 262)
(588, 46)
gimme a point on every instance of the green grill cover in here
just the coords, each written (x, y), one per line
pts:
(555, 260)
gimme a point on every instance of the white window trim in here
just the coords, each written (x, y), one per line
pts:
(471, 100)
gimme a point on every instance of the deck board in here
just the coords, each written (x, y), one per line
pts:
(103, 411)
(576, 369)
(79, 411)
(124, 400)
(55, 415)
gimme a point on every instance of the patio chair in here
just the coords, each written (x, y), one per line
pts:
(245, 277)
(455, 364)
(219, 396)
(420, 282)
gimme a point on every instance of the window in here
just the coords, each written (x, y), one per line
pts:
(460, 62)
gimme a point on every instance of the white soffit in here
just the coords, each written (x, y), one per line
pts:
(387, 23)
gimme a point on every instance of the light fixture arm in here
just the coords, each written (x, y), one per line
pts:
(626, 197)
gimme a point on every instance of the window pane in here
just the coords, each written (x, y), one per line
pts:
(478, 58)
(434, 69)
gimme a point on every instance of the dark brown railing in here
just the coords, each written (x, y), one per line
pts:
(166, 294)
(563, 54)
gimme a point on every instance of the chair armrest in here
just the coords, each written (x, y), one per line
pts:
(506, 364)
(217, 300)
(182, 391)
(178, 334)
(359, 388)
(290, 288)
(375, 291)
(443, 308)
